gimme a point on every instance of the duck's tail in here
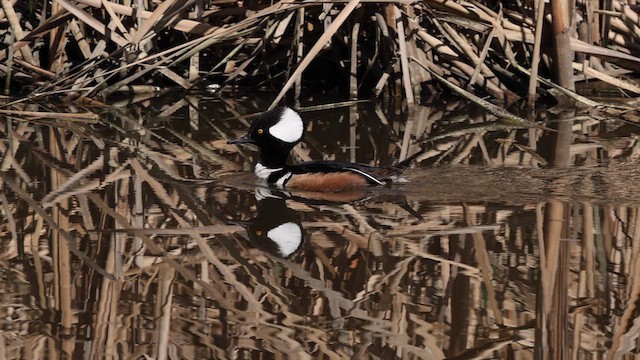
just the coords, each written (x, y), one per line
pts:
(402, 165)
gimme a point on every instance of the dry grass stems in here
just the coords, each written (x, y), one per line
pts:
(92, 49)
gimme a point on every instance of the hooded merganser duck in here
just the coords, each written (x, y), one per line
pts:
(277, 131)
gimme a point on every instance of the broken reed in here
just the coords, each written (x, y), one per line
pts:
(87, 49)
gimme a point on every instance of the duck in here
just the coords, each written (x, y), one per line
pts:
(276, 132)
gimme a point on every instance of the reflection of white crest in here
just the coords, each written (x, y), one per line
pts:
(288, 236)
(289, 128)
(264, 193)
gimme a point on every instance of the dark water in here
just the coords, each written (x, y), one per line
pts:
(143, 234)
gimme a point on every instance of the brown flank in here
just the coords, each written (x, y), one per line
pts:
(331, 182)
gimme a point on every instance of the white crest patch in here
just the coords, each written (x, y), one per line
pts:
(263, 172)
(288, 236)
(289, 128)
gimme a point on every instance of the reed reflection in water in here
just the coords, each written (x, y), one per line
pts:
(126, 237)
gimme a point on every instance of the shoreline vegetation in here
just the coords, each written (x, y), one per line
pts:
(90, 50)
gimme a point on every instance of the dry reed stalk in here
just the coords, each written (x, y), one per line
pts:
(87, 220)
(115, 21)
(89, 117)
(560, 14)
(484, 262)
(93, 22)
(11, 147)
(535, 62)
(353, 125)
(210, 155)
(57, 41)
(477, 60)
(438, 46)
(338, 300)
(404, 62)
(184, 25)
(43, 72)
(406, 138)
(217, 229)
(3, 348)
(65, 192)
(147, 69)
(495, 110)
(425, 118)
(194, 62)
(505, 145)
(194, 116)
(419, 76)
(164, 310)
(589, 243)
(485, 152)
(616, 73)
(556, 220)
(106, 326)
(8, 214)
(466, 150)
(299, 50)
(280, 31)
(543, 302)
(158, 16)
(61, 247)
(233, 31)
(14, 23)
(382, 82)
(2, 15)
(569, 93)
(270, 35)
(353, 66)
(41, 297)
(623, 338)
(606, 78)
(313, 52)
(9, 68)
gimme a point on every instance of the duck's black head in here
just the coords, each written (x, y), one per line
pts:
(275, 132)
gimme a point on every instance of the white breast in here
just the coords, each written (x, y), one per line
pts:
(263, 172)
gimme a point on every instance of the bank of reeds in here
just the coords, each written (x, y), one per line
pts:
(91, 49)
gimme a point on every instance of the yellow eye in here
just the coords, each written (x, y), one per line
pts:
(260, 131)
(258, 232)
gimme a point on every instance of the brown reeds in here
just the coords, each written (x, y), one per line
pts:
(92, 49)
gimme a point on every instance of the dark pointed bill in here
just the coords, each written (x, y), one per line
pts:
(243, 223)
(243, 140)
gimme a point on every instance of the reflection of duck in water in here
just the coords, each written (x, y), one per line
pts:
(276, 229)
(276, 132)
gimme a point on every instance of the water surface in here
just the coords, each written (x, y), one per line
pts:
(142, 233)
